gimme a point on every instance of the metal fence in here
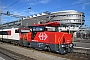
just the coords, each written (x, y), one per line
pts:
(83, 34)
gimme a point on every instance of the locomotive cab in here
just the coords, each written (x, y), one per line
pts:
(49, 38)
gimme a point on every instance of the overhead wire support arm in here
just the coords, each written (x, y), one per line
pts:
(13, 3)
(12, 15)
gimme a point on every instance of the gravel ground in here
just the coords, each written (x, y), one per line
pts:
(31, 53)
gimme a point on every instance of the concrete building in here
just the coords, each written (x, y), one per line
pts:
(71, 18)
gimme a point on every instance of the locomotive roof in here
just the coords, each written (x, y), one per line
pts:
(48, 24)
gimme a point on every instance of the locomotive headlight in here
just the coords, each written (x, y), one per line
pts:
(63, 46)
(70, 45)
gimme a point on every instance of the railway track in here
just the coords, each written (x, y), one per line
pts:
(4, 57)
(72, 56)
(82, 50)
(13, 55)
(75, 55)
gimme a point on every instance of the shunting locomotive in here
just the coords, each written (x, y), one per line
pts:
(48, 37)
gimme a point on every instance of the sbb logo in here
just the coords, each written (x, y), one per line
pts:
(42, 36)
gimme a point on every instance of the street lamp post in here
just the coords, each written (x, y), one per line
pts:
(81, 19)
(21, 20)
(2, 34)
(29, 9)
(1, 26)
(69, 29)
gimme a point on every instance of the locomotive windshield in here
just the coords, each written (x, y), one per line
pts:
(43, 28)
(52, 28)
(38, 28)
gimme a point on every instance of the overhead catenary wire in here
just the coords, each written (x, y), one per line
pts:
(0, 13)
(71, 5)
(13, 3)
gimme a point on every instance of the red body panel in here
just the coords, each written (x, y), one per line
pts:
(9, 32)
(53, 37)
(28, 36)
(68, 38)
(23, 35)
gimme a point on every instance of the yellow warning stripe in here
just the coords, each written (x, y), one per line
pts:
(59, 39)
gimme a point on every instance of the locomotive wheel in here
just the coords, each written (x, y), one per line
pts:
(21, 43)
(18, 44)
(48, 48)
(29, 45)
(45, 48)
(13, 43)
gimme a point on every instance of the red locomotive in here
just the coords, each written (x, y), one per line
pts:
(47, 37)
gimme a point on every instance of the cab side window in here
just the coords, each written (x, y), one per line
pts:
(16, 31)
